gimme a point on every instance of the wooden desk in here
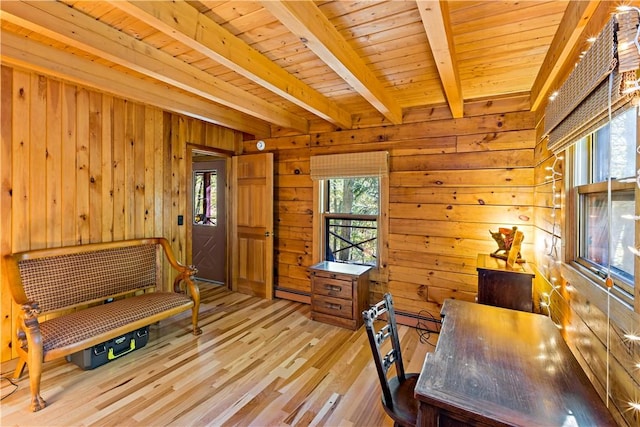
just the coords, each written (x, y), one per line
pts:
(499, 367)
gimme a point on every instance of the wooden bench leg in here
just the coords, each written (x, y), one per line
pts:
(195, 310)
(19, 369)
(34, 354)
(35, 373)
(194, 320)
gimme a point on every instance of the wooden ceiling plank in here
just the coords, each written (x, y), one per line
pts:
(81, 31)
(201, 33)
(570, 32)
(304, 19)
(435, 18)
(24, 52)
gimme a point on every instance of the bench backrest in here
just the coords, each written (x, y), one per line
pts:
(59, 281)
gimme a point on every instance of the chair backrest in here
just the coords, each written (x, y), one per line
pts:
(388, 330)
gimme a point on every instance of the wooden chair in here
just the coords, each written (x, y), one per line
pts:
(397, 392)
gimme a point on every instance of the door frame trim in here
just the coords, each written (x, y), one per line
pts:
(218, 154)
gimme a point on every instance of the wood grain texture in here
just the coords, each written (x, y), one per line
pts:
(484, 371)
(7, 322)
(451, 181)
(257, 362)
(81, 166)
(576, 305)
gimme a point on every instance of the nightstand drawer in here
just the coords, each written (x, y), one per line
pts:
(333, 306)
(332, 287)
(339, 293)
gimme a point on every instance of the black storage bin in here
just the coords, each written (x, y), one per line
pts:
(100, 354)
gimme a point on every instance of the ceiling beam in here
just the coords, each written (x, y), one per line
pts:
(313, 28)
(24, 52)
(437, 25)
(571, 32)
(184, 23)
(65, 24)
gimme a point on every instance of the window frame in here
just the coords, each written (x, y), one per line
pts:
(377, 273)
(622, 288)
(328, 215)
(628, 295)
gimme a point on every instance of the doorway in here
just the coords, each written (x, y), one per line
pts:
(209, 218)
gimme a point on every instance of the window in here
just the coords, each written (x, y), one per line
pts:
(350, 197)
(603, 235)
(205, 206)
(350, 219)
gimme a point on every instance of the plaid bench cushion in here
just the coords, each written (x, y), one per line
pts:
(85, 324)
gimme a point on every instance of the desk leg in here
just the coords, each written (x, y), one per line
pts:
(427, 415)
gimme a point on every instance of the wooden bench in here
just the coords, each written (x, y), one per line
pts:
(63, 293)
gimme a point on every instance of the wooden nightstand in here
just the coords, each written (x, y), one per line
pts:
(501, 286)
(339, 293)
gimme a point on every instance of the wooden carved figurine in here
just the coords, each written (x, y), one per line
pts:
(504, 238)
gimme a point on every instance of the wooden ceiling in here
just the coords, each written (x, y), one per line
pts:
(300, 65)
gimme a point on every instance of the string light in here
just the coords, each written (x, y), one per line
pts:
(632, 337)
(554, 176)
(556, 195)
(631, 85)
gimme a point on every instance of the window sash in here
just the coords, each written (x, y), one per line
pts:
(360, 247)
(327, 215)
(623, 285)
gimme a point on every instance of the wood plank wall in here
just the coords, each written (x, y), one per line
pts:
(451, 181)
(573, 304)
(80, 166)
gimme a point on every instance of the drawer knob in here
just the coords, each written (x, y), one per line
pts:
(333, 288)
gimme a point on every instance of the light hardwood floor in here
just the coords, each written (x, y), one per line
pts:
(258, 362)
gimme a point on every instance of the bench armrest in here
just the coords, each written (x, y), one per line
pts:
(185, 273)
(28, 329)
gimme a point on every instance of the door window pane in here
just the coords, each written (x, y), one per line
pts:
(205, 204)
